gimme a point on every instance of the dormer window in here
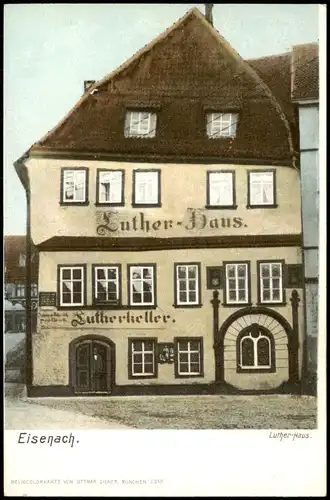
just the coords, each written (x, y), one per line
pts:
(221, 125)
(140, 124)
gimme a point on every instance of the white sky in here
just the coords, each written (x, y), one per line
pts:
(50, 49)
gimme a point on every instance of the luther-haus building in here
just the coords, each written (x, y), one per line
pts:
(165, 208)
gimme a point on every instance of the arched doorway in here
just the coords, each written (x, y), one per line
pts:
(256, 349)
(92, 365)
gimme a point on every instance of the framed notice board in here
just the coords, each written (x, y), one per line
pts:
(47, 299)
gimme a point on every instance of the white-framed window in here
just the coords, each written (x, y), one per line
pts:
(20, 290)
(189, 357)
(187, 284)
(142, 357)
(221, 125)
(220, 189)
(34, 290)
(140, 123)
(261, 188)
(106, 283)
(146, 187)
(142, 285)
(9, 290)
(71, 285)
(256, 351)
(74, 185)
(271, 282)
(110, 187)
(237, 283)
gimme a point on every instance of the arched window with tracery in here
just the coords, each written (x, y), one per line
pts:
(255, 350)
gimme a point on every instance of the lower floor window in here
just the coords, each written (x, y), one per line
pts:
(15, 323)
(189, 357)
(142, 358)
(71, 285)
(255, 349)
(9, 324)
(20, 324)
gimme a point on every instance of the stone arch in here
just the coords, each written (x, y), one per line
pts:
(226, 349)
(248, 311)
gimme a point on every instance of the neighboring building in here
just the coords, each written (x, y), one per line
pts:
(305, 95)
(15, 284)
(166, 211)
(15, 299)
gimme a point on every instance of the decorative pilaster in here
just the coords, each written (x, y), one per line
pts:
(293, 342)
(217, 342)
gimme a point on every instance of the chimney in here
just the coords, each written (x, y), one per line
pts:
(208, 13)
(88, 84)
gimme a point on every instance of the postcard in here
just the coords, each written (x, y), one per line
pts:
(164, 272)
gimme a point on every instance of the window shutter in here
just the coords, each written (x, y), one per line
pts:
(143, 124)
(127, 124)
(293, 276)
(214, 278)
(115, 187)
(209, 119)
(233, 125)
(226, 120)
(153, 123)
(153, 187)
(110, 187)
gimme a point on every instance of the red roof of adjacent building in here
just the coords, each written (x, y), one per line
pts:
(305, 72)
(14, 256)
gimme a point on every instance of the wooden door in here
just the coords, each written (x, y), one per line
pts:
(92, 368)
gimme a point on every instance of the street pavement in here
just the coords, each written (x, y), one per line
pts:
(21, 414)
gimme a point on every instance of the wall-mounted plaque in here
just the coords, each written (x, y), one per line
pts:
(165, 352)
(214, 278)
(294, 276)
(47, 299)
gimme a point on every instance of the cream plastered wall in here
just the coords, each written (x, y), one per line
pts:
(51, 341)
(183, 187)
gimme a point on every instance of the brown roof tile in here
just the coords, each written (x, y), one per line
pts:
(305, 71)
(183, 72)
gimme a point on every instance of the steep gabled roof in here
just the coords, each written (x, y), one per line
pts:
(305, 72)
(183, 72)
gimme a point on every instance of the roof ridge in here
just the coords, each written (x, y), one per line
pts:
(288, 53)
(306, 44)
(14, 236)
